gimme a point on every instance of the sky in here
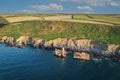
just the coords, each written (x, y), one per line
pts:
(60, 6)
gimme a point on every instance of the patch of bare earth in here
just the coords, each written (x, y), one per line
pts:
(19, 19)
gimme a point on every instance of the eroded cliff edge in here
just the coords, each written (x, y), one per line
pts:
(94, 48)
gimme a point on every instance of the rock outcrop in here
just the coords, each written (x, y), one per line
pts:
(24, 40)
(60, 42)
(60, 53)
(0, 39)
(10, 41)
(81, 56)
(91, 44)
(4, 38)
(94, 48)
(74, 45)
(39, 43)
(48, 44)
(112, 48)
(69, 44)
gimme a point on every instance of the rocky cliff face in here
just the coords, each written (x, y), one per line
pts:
(71, 44)
(10, 41)
(94, 48)
(75, 44)
(24, 40)
(39, 43)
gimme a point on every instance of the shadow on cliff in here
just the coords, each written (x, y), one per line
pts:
(118, 49)
(2, 25)
(99, 45)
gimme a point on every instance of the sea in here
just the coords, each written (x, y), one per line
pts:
(39, 64)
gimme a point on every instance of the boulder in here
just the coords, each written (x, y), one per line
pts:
(19, 45)
(82, 56)
(60, 53)
(39, 43)
(112, 47)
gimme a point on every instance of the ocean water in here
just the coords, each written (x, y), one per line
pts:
(37, 64)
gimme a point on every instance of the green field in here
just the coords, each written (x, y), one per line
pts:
(49, 30)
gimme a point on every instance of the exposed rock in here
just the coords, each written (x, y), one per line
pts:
(48, 44)
(113, 47)
(72, 44)
(75, 45)
(60, 42)
(96, 49)
(4, 38)
(60, 53)
(81, 56)
(19, 45)
(24, 40)
(0, 40)
(91, 44)
(10, 41)
(39, 43)
(83, 43)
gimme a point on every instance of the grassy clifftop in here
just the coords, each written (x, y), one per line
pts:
(49, 30)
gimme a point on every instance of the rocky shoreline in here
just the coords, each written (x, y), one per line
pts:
(97, 50)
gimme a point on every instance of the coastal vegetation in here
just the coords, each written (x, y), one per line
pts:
(49, 30)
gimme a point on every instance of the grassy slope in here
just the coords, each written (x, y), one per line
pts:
(3, 21)
(54, 29)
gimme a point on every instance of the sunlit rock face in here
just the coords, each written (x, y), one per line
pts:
(74, 44)
(60, 53)
(25, 40)
(113, 47)
(8, 40)
(39, 43)
(81, 56)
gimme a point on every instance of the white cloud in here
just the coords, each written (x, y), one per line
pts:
(85, 8)
(114, 4)
(46, 8)
(27, 11)
(97, 2)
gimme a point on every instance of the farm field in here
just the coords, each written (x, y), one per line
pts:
(82, 18)
(111, 19)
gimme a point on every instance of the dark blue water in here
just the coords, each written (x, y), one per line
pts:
(36, 64)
